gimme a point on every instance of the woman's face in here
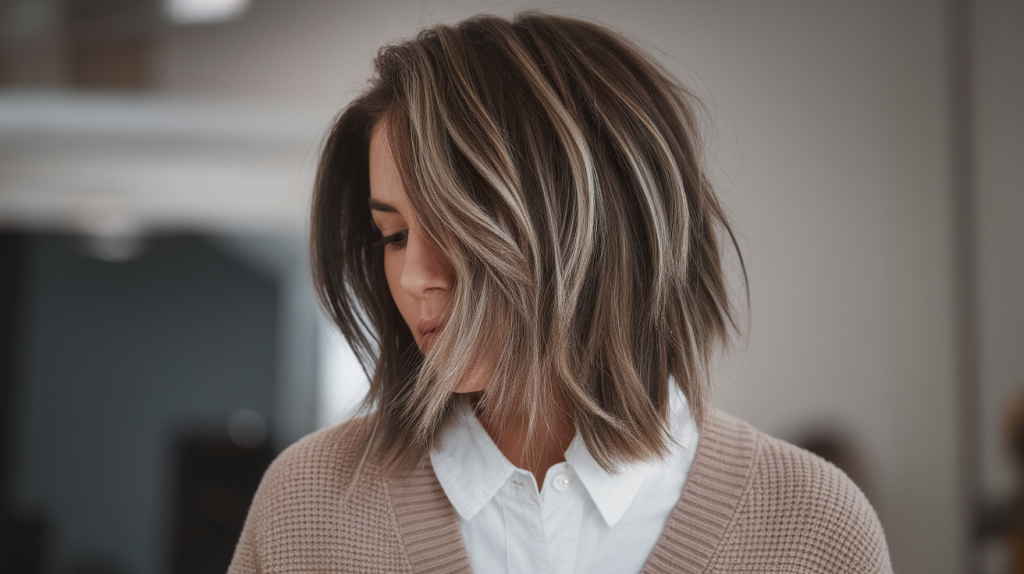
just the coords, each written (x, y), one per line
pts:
(419, 277)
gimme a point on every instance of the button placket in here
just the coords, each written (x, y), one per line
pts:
(521, 486)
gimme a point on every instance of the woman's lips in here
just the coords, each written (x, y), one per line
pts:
(429, 329)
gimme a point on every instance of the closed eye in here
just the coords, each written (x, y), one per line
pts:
(395, 239)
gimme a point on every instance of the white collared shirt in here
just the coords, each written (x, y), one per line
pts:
(582, 519)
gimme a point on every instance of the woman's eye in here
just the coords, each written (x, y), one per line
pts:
(395, 239)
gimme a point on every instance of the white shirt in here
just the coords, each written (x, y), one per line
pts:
(582, 519)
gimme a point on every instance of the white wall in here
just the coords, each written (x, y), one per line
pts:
(999, 144)
(1000, 186)
(831, 154)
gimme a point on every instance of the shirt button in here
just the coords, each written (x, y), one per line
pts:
(561, 481)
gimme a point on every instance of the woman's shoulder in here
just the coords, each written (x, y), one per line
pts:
(793, 507)
(315, 471)
(326, 451)
(313, 512)
(323, 469)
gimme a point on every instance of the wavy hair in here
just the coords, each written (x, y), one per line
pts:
(559, 170)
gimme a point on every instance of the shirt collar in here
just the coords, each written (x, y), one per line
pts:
(471, 469)
(613, 492)
(467, 463)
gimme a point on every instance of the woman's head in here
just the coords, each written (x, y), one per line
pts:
(524, 201)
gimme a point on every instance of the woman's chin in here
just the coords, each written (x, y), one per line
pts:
(477, 379)
(478, 376)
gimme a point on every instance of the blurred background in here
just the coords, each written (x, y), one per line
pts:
(160, 341)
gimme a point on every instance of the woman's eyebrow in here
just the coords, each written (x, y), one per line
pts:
(381, 206)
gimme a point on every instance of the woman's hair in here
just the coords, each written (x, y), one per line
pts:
(559, 170)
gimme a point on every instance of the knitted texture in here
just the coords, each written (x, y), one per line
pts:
(751, 503)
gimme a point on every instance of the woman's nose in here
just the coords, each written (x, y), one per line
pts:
(425, 268)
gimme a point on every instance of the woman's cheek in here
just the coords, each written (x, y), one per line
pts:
(406, 303)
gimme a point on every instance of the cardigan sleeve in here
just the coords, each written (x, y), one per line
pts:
(244, 560)
(800, 513)
(266, 510)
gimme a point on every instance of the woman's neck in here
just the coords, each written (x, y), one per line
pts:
(537, 453)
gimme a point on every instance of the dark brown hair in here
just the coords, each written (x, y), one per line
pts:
(559, 169)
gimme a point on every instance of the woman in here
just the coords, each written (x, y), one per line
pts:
(513, 229)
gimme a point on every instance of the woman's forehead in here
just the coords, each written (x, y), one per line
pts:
(385, 180)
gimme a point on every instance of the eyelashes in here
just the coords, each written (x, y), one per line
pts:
(395, 239)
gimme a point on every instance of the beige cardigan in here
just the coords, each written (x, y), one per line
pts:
(751, 503)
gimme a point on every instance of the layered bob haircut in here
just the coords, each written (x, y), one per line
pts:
(559, 170)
